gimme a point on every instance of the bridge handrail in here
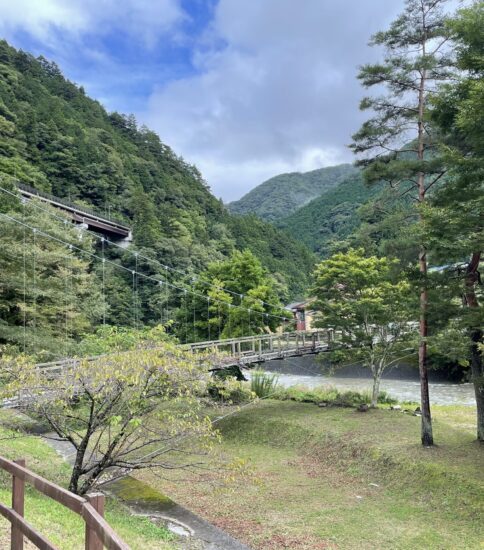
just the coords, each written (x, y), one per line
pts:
(274, 335)
(99, 533)
(207, 345)
(76, 207)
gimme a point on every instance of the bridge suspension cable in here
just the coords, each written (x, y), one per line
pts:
(148, 259)
(134, 273)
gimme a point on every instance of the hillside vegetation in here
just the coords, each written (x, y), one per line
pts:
(331, 217)
(55, 138)
(282, 195)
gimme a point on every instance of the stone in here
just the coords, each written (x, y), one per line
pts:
(323, 404)
(395, 408)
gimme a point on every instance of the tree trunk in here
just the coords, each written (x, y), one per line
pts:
(476, 335)
(426, 428)
(77, 467)
(376, 389)
(478, 379)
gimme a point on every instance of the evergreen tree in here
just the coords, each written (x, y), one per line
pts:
(454, 218)
(49, 298)
(400, 144)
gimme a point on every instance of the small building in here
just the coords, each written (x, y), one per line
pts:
(303, 314)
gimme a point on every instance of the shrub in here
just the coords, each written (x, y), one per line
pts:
(330, 395)
(230, 392)
(264, 384)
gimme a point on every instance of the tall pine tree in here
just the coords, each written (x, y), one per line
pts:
(399, 143)
(455, 217)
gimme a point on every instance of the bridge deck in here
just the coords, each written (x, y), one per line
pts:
(244, 351)
(250, 350)
(241, 352)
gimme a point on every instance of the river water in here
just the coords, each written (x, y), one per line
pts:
(400, 382)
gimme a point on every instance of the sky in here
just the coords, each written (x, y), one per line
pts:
(244, 89)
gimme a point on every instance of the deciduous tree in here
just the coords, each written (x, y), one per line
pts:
(125, 411)
(362, 298)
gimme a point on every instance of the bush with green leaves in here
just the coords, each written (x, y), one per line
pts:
(264, 384)
(123, 411)
(331, 396)
(230, 392)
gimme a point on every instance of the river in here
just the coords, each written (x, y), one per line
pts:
(400, 382)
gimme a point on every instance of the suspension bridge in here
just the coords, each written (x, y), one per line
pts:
(237, 352)
(241, 351)
(259, 345)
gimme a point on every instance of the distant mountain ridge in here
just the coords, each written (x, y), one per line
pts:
(331, 217)
(280, 196)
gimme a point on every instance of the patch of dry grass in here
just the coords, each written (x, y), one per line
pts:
(335, 478)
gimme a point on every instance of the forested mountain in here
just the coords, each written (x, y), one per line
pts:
(282, 195)
(55, 138)
(332, 216)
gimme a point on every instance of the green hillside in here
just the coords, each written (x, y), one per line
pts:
(330, 217)
(55, 138)
(282, 195)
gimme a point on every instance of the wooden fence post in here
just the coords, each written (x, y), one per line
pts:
(18, 504)
(92, 540)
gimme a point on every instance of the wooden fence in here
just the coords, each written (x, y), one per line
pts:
(98, 533)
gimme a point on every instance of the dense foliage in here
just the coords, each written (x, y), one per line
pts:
(57, 139)
(49, 296)
(215, 312)
(371, 304)
(53, 137)
(332, 217)
(282, 195)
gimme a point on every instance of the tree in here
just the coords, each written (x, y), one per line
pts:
(125, 411)
(242, 301)
(454, 216)
(361, 297)
(398, 137)
(49, 297)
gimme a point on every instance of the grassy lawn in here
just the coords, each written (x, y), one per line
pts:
(336, 478)
(61, 526)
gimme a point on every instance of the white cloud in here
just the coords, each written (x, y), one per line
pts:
(147, 20)
(275, 89)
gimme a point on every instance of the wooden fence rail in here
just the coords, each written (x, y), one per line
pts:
(98, 534)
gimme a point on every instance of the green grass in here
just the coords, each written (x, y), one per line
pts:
(336, 478)
(61, 526)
